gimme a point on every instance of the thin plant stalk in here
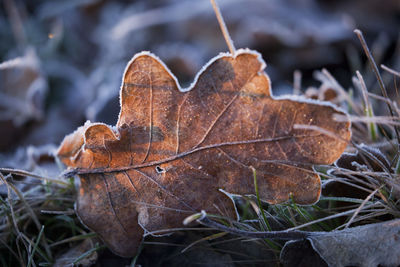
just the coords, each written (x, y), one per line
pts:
(223, 27)
(368, 111)
(258, 199)
(35, 246)
(378, 76)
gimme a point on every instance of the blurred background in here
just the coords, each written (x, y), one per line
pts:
(63, 60)
(61, 63)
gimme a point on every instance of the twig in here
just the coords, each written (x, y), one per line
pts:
(222, 25)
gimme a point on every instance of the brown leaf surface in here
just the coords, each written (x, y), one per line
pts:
(172, 149)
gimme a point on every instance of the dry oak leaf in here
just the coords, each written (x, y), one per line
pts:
(175, 151)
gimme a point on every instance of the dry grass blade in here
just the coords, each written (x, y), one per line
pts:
(388, 120)
(297, 82)
(368, 111)
(334, 216)
(392, 71)
(13, 220)
(207, 238)
(26, 173)
(361, 207)
(327, 75)
(223, 27)
(377, 74)
(31, 212)
(283, 235)
(320, 129)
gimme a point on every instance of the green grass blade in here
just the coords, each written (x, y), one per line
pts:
(258, 199)
(35, 246)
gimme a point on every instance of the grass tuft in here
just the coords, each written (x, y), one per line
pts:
(38, 223)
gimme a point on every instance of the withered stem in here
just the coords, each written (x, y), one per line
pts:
(378, 75)
(282, 235)
(224, 30)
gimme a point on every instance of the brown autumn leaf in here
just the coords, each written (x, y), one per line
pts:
(172, 150)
